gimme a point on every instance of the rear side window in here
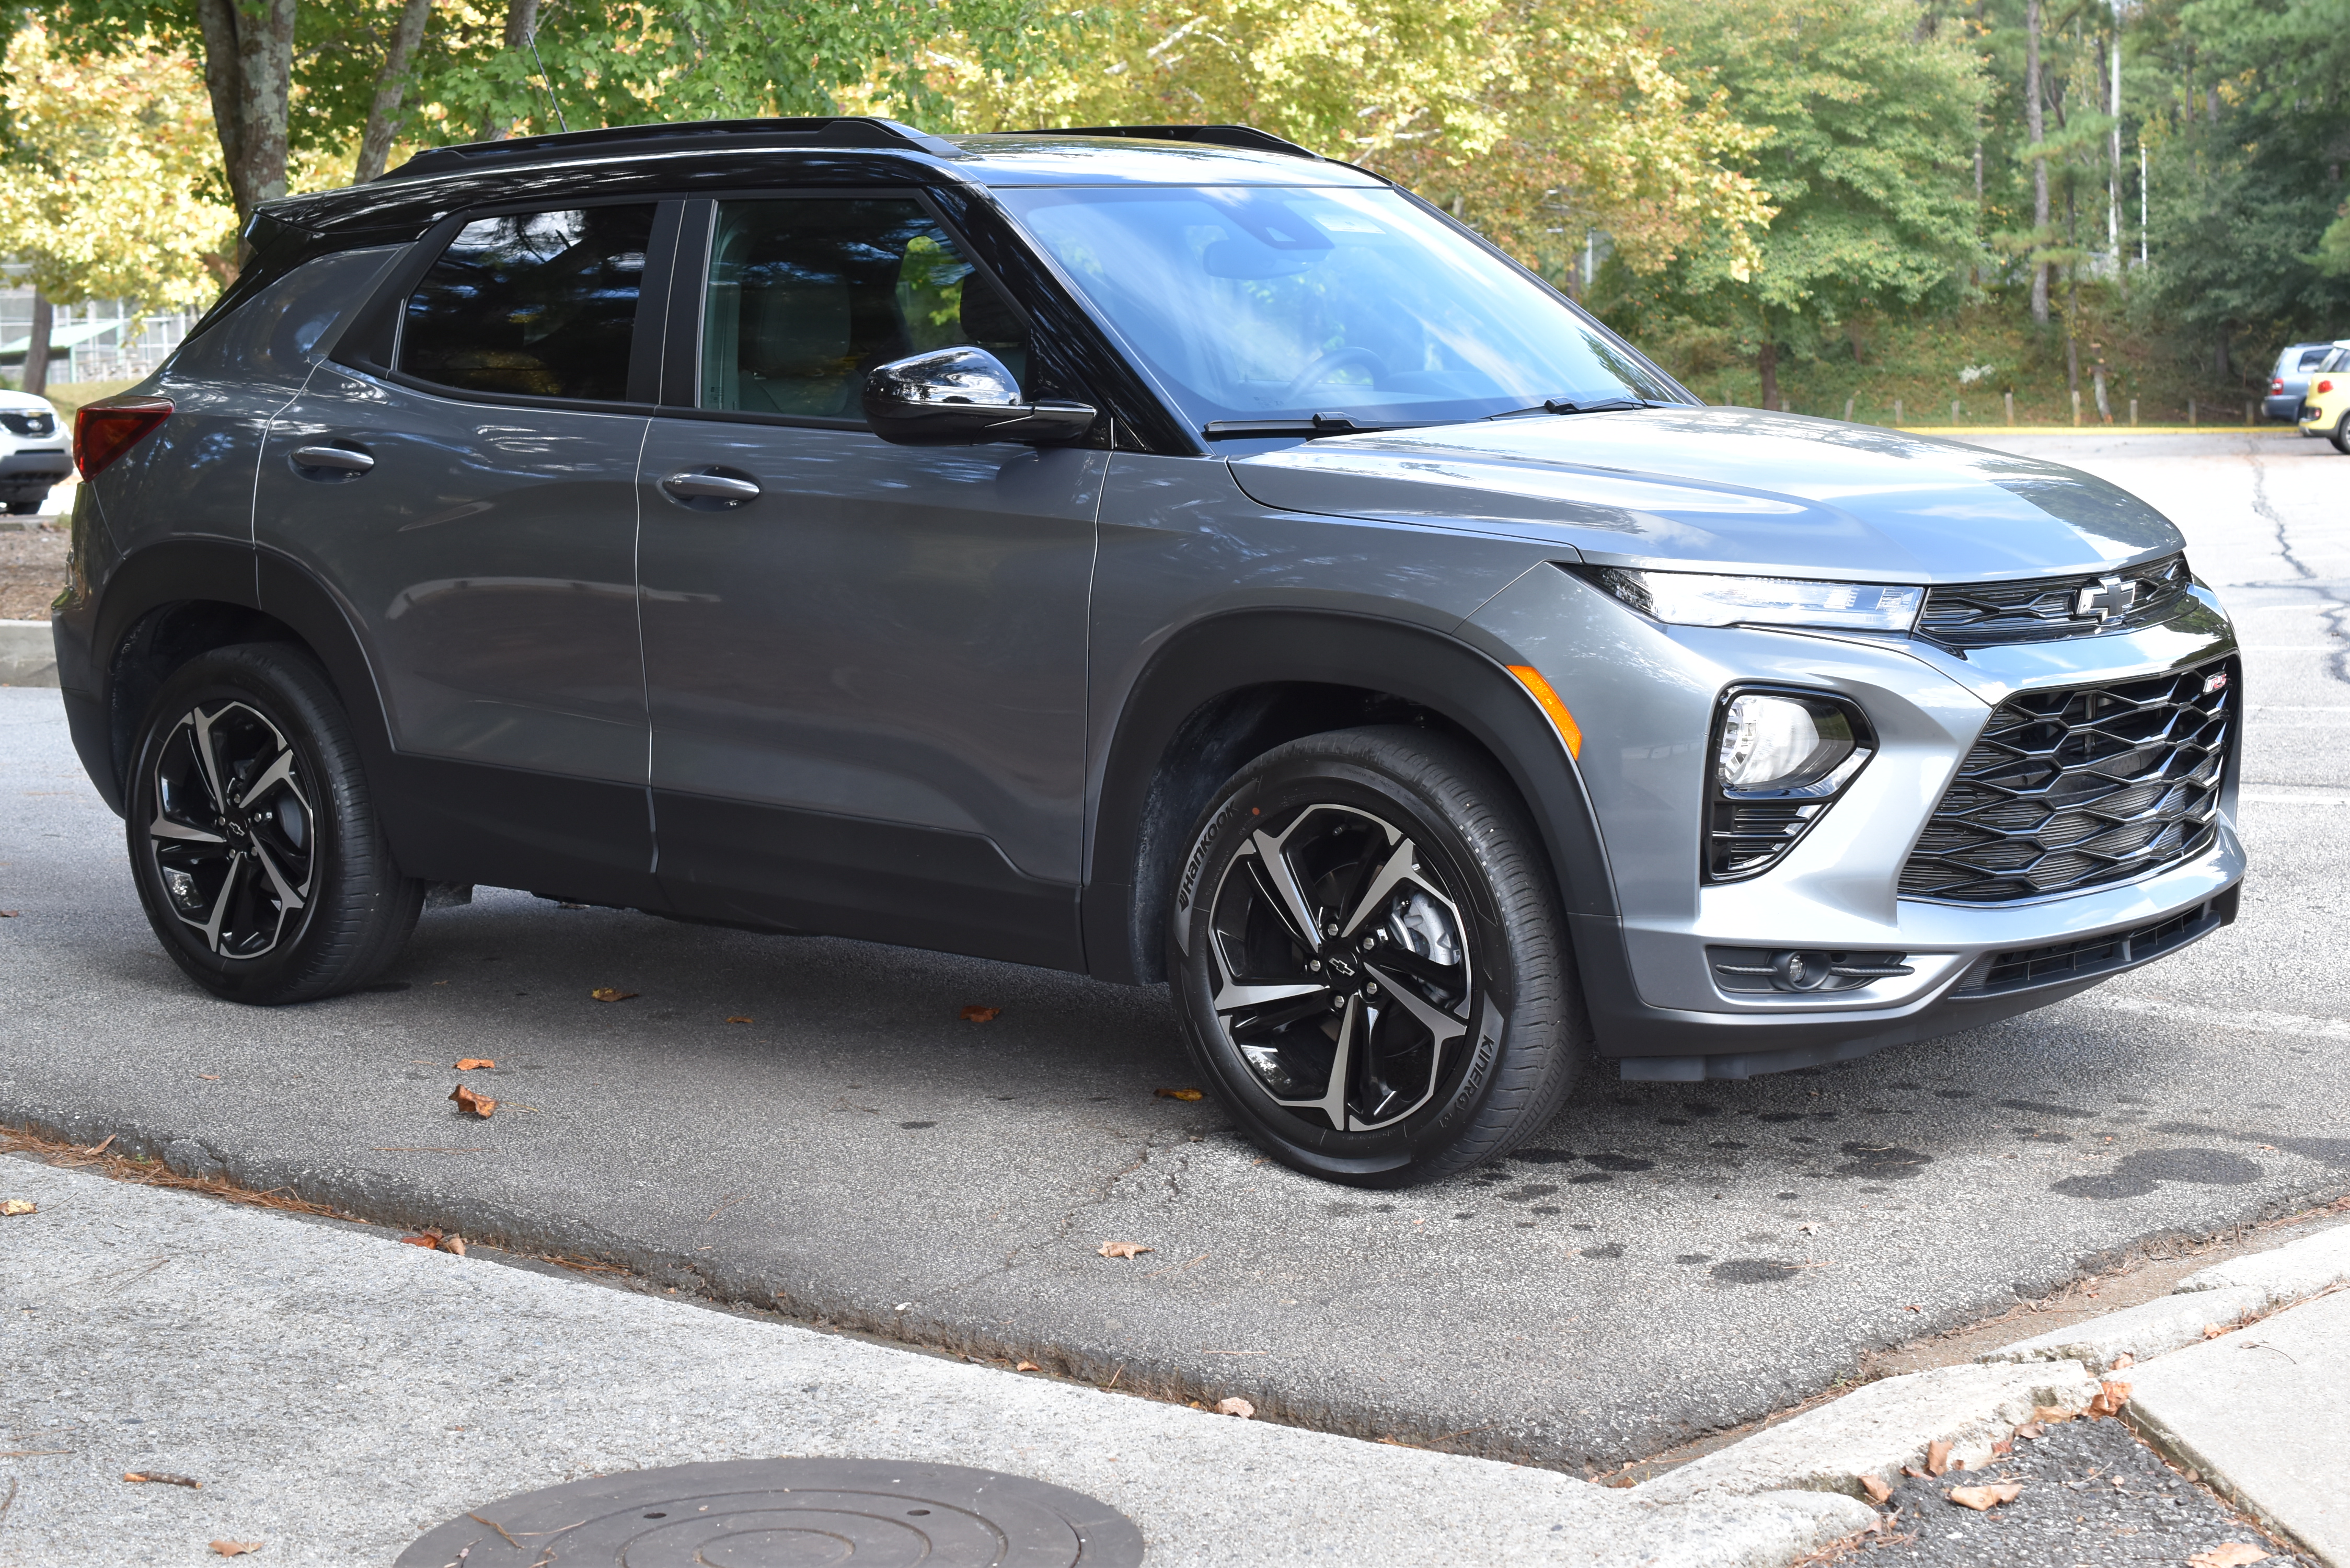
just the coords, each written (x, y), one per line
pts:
(806, 295)
(541, 305)
(2313, 357)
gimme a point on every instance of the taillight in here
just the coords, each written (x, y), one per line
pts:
(104, 432)
(2276, 388)
(2325, 386)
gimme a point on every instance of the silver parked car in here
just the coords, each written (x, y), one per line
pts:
(1153, 552)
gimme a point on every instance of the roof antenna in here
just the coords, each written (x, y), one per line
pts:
(545, 80)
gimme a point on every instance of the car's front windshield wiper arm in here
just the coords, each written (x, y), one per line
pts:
(1570, 406)
(1319, 425)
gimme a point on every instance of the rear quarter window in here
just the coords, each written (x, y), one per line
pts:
(540, 304)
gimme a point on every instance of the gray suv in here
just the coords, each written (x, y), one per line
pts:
(1153, 551)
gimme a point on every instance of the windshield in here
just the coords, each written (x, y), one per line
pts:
(1253, 304)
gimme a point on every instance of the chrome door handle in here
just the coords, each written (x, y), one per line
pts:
(342, 459)
(710, 487)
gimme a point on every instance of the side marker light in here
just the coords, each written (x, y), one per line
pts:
(1560, 719)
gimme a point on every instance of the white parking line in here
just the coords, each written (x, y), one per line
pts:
(2263, 798)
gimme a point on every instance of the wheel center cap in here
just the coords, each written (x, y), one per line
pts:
(236, 828)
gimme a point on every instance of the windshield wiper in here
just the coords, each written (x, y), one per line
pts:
(1319, 425)
(1569, 406)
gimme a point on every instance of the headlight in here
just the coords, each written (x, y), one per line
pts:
(1781, 758)
(1703, 598)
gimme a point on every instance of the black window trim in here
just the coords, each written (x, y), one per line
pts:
(681, 389)
(371, 346)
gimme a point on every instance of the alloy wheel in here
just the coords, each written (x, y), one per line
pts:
(234, 839)
(1343, 978)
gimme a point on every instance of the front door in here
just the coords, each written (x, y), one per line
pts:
(867, 678)
(475, 507)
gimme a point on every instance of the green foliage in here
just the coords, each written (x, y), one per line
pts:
(1867, 160)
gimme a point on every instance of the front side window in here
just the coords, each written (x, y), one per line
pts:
(1254, 303)
(806, 295)
(543, 305)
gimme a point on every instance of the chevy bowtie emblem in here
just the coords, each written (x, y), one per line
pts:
(2111, 597)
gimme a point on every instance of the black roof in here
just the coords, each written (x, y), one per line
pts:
(715, 154)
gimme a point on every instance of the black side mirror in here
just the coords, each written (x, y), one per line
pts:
(961, 397)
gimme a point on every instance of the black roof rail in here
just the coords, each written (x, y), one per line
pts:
(838, 131)
(1247, 136)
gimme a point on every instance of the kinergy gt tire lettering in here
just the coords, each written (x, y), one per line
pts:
(1368, 959)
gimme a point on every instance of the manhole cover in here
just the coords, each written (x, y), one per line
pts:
(789, 1513)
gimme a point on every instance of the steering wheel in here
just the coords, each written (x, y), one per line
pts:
(1328, 362)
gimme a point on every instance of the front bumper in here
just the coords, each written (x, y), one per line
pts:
(1644, 695)
(33, 473)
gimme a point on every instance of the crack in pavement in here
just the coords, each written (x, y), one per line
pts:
(2308, 581)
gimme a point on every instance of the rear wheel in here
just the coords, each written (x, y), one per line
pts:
(1369, 960)
(252, 833)
(2340, 437)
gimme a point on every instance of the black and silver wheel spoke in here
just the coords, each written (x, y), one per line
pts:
(233, 835)
(1342, 977)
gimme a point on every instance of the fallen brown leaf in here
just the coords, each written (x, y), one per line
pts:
(1236, 1405)
(2228, 1554)
(2214, 1330)
(2111, 1397)
(1125, 1248)
(427, 1242)
(975, 1014)
(159, 1479)
(738, 1018)
(1186, 1094)
(7, 914)
(1938, 1457)
(1027, 1367)
(18, 1206)
(209, 1077)
(2122, 1362)
(610, 993)
(100, 1147)
(1979, 1498)
(475, 1065)
(2032, 1430)
(2051, 1415)
(481, 1105)
(1877, 1489)
(2004, 1445)
(235, 1548)
(453, 1244)
(1913, 1472)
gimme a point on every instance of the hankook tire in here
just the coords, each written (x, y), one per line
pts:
(1369, 960)
(254, 837)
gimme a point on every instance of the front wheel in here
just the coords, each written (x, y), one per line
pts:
(253, 832)
(1369, 960)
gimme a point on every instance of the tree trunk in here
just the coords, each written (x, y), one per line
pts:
(522, 21)
(2032, 123)
(391, 86)
(1766, 361)
(2097, 377)
(2220, 353)
(37, 345)
(249, 72)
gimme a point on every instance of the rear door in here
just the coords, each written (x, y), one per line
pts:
(867, 673)
(472, 502)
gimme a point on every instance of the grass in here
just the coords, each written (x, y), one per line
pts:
(69, 396)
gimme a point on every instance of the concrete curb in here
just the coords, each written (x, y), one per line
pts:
(1876, 1430)
(27, 656)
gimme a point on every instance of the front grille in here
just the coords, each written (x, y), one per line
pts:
(29, 424)
(2095, 955)
(1981, 615)
(2070, 789)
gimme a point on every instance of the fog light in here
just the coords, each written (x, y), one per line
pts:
(1773, 743)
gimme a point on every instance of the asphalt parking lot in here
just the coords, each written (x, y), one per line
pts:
(1664, 1260)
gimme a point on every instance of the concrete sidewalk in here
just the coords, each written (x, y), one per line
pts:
(338, 1394)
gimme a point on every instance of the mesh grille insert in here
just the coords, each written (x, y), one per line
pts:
(2073, 788)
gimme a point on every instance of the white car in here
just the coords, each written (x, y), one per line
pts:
(35, 452)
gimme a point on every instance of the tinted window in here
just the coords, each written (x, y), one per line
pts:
(2312, 359)
(541, 304)
(805, 297)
